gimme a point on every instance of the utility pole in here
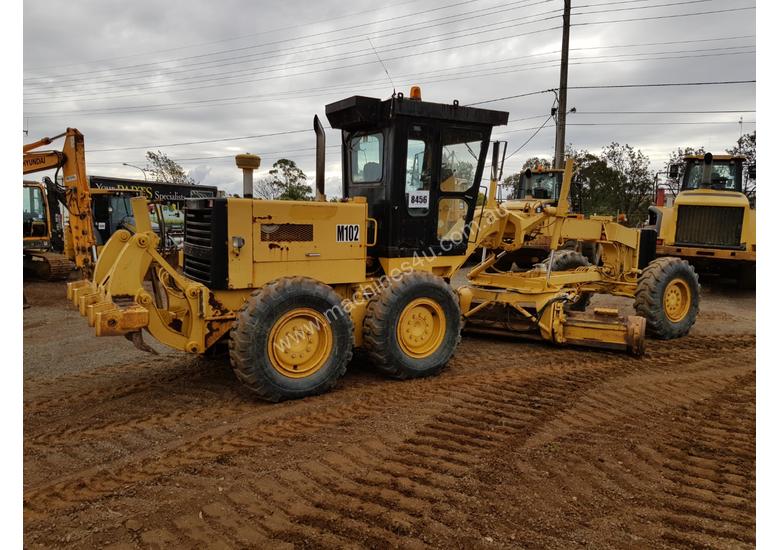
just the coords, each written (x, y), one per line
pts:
(560, 130)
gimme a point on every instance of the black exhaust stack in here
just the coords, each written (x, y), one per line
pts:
(319, 178)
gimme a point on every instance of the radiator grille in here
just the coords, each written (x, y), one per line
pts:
(287, 232)
(205, 242)
(197, 244)
(709, 226)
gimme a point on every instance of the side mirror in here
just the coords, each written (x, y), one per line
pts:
(752, 171)
(674, 171)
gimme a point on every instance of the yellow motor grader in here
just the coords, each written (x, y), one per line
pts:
(294, 287)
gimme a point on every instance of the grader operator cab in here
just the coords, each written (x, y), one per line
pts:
(711, 223)
(295, 286)
(543, 185)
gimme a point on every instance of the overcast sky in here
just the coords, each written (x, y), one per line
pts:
(144, 75)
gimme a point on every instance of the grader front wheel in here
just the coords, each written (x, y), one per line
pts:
(291, 339)
(412, 327)
(667, 295)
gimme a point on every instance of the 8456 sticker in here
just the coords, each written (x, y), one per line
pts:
(418, 199)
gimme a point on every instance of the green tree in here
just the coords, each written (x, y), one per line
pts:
(285, 181)
(633, 193)
(746, 146)
(677, 157)
(617, 181)
(163, 169)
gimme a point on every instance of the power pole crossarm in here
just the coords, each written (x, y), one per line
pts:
(560, 132)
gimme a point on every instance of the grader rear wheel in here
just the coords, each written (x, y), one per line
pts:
(412, 327)
(291, 339)
(667, 295)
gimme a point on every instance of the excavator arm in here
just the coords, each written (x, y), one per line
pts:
(78, 200)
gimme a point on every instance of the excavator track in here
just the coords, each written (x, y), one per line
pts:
(48, 266)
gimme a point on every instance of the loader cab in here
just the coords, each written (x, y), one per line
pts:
(419, 165)
(541, 184)
(708, 171)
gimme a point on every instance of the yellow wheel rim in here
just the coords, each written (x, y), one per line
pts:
(421, 328)
(677, 300)
(300, 343)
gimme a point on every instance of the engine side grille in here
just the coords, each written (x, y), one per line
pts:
(709, 226)
(205, 242)
(290, 232)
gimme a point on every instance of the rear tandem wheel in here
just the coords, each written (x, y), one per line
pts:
(412, 327)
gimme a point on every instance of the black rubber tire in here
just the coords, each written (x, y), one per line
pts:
(746, 276)
(567, 260)
(251, 330)
(649, 297)
(383, 312)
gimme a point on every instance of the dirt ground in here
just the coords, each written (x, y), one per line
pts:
(516, 444)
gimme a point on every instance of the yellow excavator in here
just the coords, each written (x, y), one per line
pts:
(39, 208)
(293, 287)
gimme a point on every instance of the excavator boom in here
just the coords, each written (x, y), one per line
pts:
(78, 200)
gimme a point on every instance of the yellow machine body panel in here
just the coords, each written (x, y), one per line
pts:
(272, 239)
(724, 209)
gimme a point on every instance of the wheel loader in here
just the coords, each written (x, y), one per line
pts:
(294, 287)
(711, 223)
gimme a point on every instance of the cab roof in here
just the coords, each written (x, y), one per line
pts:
(716, 157)
(359, 112)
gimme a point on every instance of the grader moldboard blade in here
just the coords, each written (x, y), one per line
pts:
(500, 313)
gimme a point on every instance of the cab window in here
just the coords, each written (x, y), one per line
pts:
(418, 175)
(34, 213)
(723, 175)
(542, 185)
(366, 155)
(460, 155)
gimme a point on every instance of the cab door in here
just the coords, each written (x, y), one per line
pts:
(463, 152)
(415, 206)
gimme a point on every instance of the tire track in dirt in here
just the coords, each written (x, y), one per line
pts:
(176, 417)
(625, 487)
(438, 455)
(415, 484)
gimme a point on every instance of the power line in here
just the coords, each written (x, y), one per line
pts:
(713, 12)
(328, 44)
(682, 123)
(178, 105)
(526, 142)
(281, 41)
(281, 133)
(316, 61)
(433, 39)
(661, 85)
(328, 69)
(221, 63)
(220, 82)
(608, 86)
(231, 39)
(665, 112)
(685, 2)
(233, 58)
